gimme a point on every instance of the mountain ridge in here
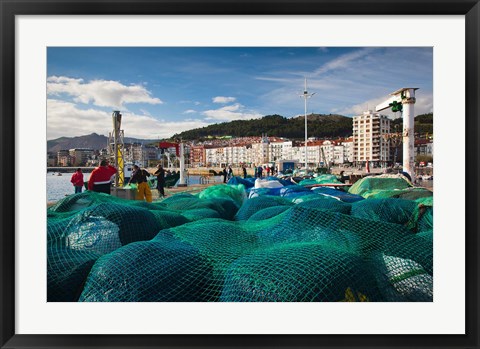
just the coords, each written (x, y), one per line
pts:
(92, 141)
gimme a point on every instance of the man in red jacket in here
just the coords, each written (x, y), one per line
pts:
(100, 178)
(77, 180)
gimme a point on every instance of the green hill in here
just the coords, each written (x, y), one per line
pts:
(423, 124)
(321, 126)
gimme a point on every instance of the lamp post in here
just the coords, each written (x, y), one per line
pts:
(305, 96)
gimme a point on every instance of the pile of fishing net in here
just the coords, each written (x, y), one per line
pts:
(220, 245)
(388, 186)
(321, 179)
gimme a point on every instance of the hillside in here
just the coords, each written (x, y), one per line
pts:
(92, 141)
(321, 126)
(423, 124)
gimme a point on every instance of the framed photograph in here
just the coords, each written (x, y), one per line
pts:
(305, 109)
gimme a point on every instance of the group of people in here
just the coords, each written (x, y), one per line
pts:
(100, 180)
(259, 171)
(227, 173)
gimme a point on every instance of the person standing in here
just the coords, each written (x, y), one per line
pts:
(160, 173)
(259, 172)
(139, 176)
(244, 171)
(77, 180)
(100, 178)
(224, 173)
(230, 172)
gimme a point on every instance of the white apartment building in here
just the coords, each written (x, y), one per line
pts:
(275, 150)
(260, 151)
(348, 154)
(328, 152)
(287, 150)
(235, 155)
(338, 154)
(369, 141)
(215, 157)
(318, 152)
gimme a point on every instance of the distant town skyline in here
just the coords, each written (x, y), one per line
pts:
(166, 90)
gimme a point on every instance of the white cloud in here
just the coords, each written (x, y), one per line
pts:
(423, 105)
(223, 100)
(103, 93)
(231, 112)
(342, 61)
(145, 112)
(66, 119)
(189, 111)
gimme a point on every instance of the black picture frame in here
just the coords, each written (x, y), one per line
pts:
(11, 8)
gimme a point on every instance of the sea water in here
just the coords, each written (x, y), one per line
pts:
(59, 186)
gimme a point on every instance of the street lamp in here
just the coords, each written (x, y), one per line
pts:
(305, 96)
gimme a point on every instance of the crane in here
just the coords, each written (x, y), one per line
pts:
(403, 100)
(117, 148)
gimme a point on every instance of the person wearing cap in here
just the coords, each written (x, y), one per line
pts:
(160, 173)
(77, 180)
(140, 177)
(100, 178)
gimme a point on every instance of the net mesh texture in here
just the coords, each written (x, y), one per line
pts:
(288, 244)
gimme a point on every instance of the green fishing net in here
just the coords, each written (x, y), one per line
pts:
(322, 179)
(220, 246)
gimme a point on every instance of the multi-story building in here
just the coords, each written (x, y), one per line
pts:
(369, 138)
(287, 150)
(51, 159)
(275, 150)
(80, 156)
(236, 155)
(423, 147)
(264, 150)
(143, 155)
(348, 153)
(328, 152)
(64, 158)
(197, 155)
(215, 156)
(259, 151)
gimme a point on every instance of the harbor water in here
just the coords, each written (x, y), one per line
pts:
(59, 186)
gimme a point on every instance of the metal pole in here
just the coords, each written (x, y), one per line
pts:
(305, 96)
(306, 156)
(408, 133)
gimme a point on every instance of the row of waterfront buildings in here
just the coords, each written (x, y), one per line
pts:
(371, 140)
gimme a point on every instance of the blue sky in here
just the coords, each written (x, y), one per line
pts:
(162, 91)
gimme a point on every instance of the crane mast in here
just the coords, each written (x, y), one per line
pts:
(117, 148)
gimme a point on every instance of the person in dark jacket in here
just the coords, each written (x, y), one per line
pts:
(160, 173)
(224, 173)
(259, 172)
(140, 177)
(101, 177)
(244, 171)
